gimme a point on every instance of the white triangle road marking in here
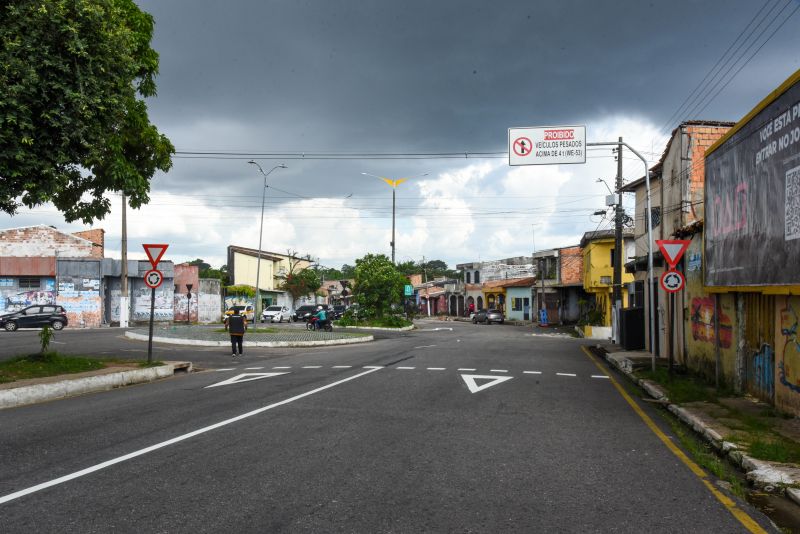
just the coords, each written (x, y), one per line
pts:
(244, 377)
(493, 381)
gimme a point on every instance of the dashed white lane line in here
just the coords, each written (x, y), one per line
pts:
(531, 372)
(312, 367)
(566, 374)
(373, 367)
(424, 346)
(498, 370)
(466, 369)
(252, 368)
(599, 376)
(283, 367)
(227, 369)
(436, 368)
(406, 368)
(342, 366)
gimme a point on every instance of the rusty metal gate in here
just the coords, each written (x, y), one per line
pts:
(759, 345)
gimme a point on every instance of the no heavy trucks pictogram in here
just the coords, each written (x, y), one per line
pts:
(522, 146)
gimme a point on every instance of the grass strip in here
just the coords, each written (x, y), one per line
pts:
(46, 364)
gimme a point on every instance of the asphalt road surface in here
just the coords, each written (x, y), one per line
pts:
(450, 428)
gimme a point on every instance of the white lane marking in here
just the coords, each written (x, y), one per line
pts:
(342, 366)
(312, 367)
(252, 368)
(245, 377)
(498, 370)
(493, 380)
(373, 367)
(436, 368)
(531, 372)
(424, 346)
(566, 374)
(599, 376)
(405, 367)
(151, 448)
(227, 369)
(283, 367)
(466, 369)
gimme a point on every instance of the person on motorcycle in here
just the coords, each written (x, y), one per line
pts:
(322, 318)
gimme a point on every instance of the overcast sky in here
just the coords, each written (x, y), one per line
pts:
(357, 80)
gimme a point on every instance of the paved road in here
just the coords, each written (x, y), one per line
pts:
(399, 435)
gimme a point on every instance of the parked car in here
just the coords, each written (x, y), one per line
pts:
(337, 311)
(489, 316)
(35, 317)
(276, 314)
(243, 309)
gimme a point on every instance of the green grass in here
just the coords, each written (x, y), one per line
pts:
(390, 321)
(775, 448)
(682, 387)
(47, 364)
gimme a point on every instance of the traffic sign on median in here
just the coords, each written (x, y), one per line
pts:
(154, 253)
(153, 278)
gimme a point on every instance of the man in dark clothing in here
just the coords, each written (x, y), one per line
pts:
(236, 325)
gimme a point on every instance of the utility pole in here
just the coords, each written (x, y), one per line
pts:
(123, 295)
(617, 291)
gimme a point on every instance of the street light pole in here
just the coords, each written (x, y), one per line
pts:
(260, 233)
(393, 184)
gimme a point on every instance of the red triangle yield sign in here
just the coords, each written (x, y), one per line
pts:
(154, 253)
(672, 250)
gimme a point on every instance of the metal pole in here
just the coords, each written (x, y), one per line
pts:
(258, 265)
(648, 218)
(717, 356)
(150, 335)
(123, 295)
(393, 207)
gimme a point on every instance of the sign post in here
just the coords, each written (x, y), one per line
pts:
(672, 280)
(153, 279)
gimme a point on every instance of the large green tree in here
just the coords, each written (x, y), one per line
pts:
(301, 283)
(378, 285)
(73, 125)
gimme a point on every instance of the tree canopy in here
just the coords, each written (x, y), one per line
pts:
(72, 124)
(378, 285)
(301, 283)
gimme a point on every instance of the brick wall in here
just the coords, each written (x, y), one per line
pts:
(571, 265)
(42, 240)
(96, 236)
(701, 137)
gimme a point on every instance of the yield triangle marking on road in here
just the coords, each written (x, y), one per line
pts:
(492, 381)
(244, 377)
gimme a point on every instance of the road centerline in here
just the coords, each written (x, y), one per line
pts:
(108, 463)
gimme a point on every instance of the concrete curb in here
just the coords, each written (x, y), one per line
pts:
(401, 329)
(10, 398)
(273, 344)
(765, 475)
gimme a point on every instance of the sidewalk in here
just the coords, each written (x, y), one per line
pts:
(719, 423)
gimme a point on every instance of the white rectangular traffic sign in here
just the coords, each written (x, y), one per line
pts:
(547, 145)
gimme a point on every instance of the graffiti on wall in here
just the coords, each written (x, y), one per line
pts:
(17, 301)
(762, 371)
(702, 318)
(208, 309)
(162, 310)
(789, 348)
(185, 310)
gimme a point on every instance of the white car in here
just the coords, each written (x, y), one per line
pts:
(276, 314)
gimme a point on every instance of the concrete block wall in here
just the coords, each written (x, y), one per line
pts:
(42, 240)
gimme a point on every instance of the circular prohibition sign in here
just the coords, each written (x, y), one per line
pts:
(522, 146)
(153, 278)
(672, 281)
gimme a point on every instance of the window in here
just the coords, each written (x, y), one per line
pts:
(29, 283)
(516, 304)
(605, 280)
(612, 257)
(477, 277)
(468, 273)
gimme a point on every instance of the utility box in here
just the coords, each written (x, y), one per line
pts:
(631, 328)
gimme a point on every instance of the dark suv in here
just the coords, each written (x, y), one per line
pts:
(35, 317)
(304, 312)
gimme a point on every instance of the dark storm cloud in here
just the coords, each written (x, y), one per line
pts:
(432, 76)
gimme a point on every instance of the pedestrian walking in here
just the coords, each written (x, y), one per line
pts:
(236, 325)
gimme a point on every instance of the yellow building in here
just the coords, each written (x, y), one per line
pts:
(243, 269)
(598, 272)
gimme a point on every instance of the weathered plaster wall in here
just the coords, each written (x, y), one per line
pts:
(209, 307)
(787, 354)
(699, 321)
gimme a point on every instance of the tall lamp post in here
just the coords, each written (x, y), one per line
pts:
(393, 184)
(260, 232)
